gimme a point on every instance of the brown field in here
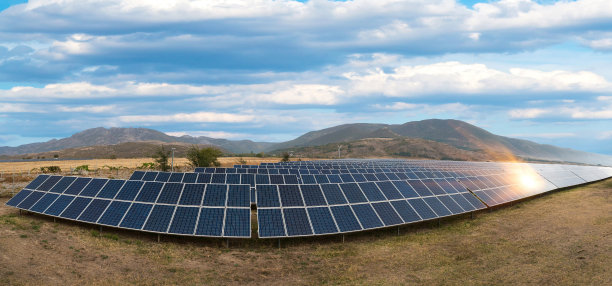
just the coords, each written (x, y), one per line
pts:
(562, 238)
(180, 163)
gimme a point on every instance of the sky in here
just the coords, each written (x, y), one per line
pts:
(272, 70)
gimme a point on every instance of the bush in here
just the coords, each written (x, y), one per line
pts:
(161, 158)
(50, 169)
(147, 166)
(285, 157)
(203, 157)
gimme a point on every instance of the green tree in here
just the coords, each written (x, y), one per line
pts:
(285, 157)
(161, 158)
(203, 157)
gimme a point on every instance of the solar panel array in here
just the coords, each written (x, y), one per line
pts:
(296, 198)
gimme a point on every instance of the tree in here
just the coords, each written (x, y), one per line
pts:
(161, 158)
(285, 157)
(203, 157)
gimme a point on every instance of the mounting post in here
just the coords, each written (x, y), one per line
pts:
(438, 222)
(279, 243)
(158, 238)
(343, 238)
(398, 232)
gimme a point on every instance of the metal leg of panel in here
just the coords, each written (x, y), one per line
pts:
(398, 231)
(158, 238)
(438, 222)
(279, 243)
(343, 238)
(471, 215)
(53, 219)
(100, 229)
(227, 243)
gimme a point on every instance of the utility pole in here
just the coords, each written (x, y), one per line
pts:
(339, 147)
(173, 159)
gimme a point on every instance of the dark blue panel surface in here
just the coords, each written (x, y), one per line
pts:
(239, 196)
(129, 190)
(308, 179)
(136, 216)
(215, 195)
(312, 195)
(322, 221)
(176, 177)
(44, 202)
(111, 189)
(159, 219)
(433, 187)
(62, 185)
(321, 179)
(359, 177)
(262, 179)
(237, 223)
(405, 211)
(94, 186)
(190, 178)
(333, 194)
(137, 175)
(149, 192)
(162, 177)
(192, 194)
(267, 196)
(114, 213)
(18, 198)
(290, 195)
(184, 221)
(94, 210)
(218, 178)
(353, 193)
(347, 178)
(389, 190)
(30, 200)
(290, 179)
(233, 179)
(467, 206)
(170, 193)
(270, 223)
(437, 206)
(150, 176)
(448, 188)
(210, 222)
(75, 208)
(247, 179)
(334, 178)
(49, 183)
(367, 216)
(277, 179)
(451, 204)
(372, 192)
(387, 214)
(59, 205)
(296, 221)
(370, 177)
(77, 186)
(204, 178)
(422, 209)
(37, 182)
(420, 188)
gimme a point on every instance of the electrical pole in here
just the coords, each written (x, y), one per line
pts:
(173, 159)
(339, 147)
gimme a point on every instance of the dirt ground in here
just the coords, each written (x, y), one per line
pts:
(563, 238)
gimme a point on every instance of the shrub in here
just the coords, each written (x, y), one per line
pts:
(203, 157)
(50, 169)
(161, 158)
(285, 157)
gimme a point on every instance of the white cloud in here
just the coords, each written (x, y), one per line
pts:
(305, 94)
(604, 135)
(189, 117)
(528, 113)
(89, 108)
(396, 106)
(213, 134)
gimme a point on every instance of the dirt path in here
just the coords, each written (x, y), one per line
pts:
(561, 238)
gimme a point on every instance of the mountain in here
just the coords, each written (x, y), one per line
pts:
(460, 140)
(109, 136)
(455, 133)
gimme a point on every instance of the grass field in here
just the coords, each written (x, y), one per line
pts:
(563, 238)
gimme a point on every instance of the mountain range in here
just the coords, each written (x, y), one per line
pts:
(452, 136)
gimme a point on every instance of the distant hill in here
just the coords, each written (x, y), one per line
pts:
(455, 133)
(459, 139)
(110, 136)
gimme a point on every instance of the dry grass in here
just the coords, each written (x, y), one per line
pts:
(563, 238)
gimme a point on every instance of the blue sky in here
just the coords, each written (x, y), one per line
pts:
(273, 70)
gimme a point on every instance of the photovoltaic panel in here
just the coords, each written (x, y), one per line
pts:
(262, 179)
(77, 186)
(373, 194)
(420, 188)
(75, 208)
(296, 221)
(451, 204)
(162, 177)
(204, 178)
(37, 182)
(190, 178)
(129, 190)
(233, 179)
(30, 200)
(313, 196)
(44, 202)
(150, 176)
(18, 198)
(93, 187)
(290, 195)
(367, 216)
(192, 194)
(110, 189)
(136, 216)
(159, 219)
(137, 175)
(114, 213)
(433, 187)
(170, 193)
(184, 221)
(405, 211)
(95, 209)
(176, 177)
(62, 185)
(149, 192)
(389, 190)
(290, 179)
(49, 183)
(59, 205)
(405, 189)
(334, 178)
(353, 193)
(237, 223)
(277, 179)
(437, 206)
(424, 211)
(387, 214)
(267, 196)
(218, 178)
(270, 223)
(210, 222)
(215, 195)
(239, 196)
(333, 194)
(322, 221)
